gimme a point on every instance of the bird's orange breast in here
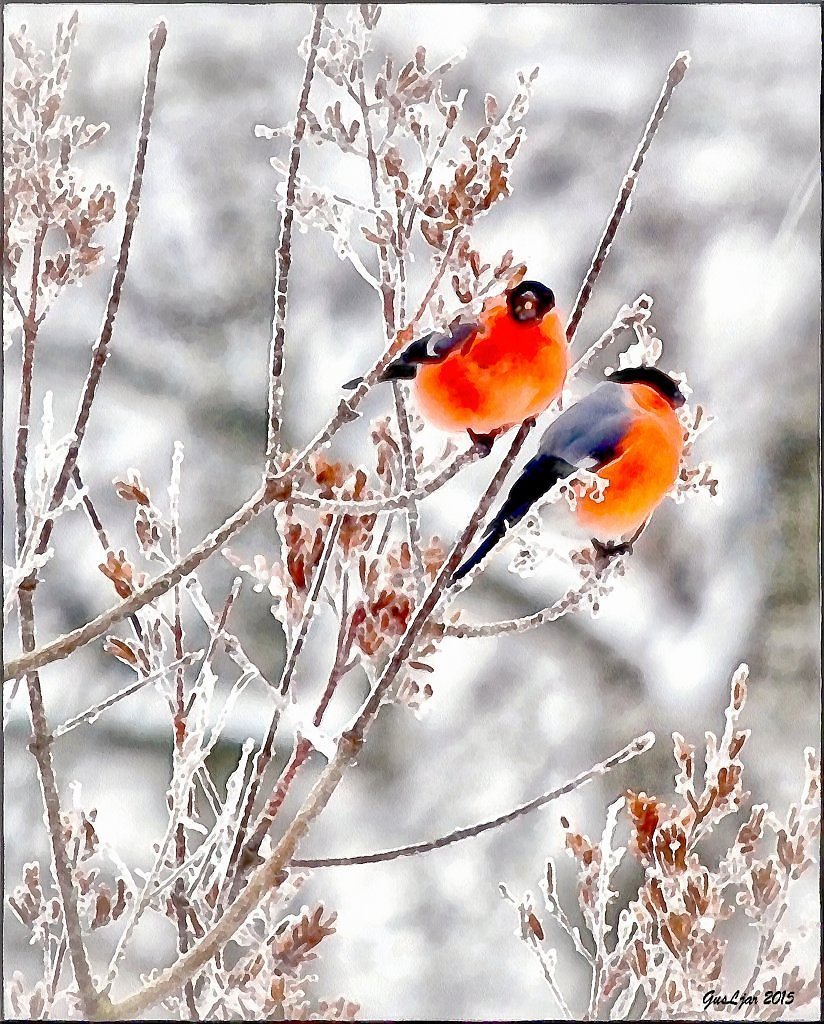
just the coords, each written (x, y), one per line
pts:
(643, 470)
(507, 373)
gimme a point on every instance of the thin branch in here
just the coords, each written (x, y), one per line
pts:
(388, 294)
(527, 933)
(284, 252)
(391, 502)
(102, 536)
(346, 638)
(179, 722)
(100, 353)
(311, 604)
(301, 750)
(231, 643)
(387, 291)
(40, 747)
(91, 511)
(676, 73)
(626, 317)
(570, 600)
(26, 376)
(11, 291)
(639, 745)
(92, 713)
(252, 789)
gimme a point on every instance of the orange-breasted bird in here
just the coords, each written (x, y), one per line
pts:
(490, 373)
(627, 432)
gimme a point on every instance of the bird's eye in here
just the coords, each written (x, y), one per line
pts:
(525, 306)
(530, 301)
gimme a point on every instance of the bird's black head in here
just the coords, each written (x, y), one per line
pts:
(529, 302)
(655, 378)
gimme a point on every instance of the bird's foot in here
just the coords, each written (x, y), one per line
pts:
(604, 553)
(483, 442)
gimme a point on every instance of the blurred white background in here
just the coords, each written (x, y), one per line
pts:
(724, 234)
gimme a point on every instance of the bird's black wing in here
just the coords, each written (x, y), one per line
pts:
(586, 435)
(430, 348)
(589, 432)
(538, 476)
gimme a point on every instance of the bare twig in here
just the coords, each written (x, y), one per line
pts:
(311, 604)
(284, 253)
(301, 750)
(40, 747)
(529, 936)
(230, 642)
(179, 716)
(391, 502)
(339, 669)
(27, 373)
(676, 73)
(570, 600)
(626, 317)
(638, 746)
(388, 294)
(300, 753)
(92, 713)
(234, 874)
(100, 353)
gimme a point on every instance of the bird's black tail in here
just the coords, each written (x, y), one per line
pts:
(494, 533)
(398, 369)
(538, 476)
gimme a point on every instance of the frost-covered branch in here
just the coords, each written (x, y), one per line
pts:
(638, 746)
(676, 73)
(40, 745)
(283, 260)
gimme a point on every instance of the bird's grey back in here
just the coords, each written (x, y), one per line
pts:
(590, 429)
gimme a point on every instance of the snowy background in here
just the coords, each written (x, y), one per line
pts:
(724, 234)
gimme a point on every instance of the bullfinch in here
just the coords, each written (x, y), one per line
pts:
(489, 373)
(626, 431)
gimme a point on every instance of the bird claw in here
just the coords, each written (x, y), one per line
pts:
(483, 442)
(605, 553)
